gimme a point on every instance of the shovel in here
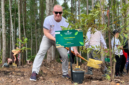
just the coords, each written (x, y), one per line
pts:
(91, 62)
(77, 67)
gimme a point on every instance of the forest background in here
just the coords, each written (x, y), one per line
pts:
(21, 23)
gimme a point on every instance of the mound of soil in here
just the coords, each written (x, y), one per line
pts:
(51, 74)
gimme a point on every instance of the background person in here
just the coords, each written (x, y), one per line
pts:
(118, 52)
(14, 55)
(94, 40)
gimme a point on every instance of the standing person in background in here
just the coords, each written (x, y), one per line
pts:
(51, 24)
(94, 40)
(126, 50)
(118, 52)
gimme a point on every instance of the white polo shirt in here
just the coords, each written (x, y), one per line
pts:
(117, 51)
(52, 25)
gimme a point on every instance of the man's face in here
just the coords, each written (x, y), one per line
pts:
(117, 34)
(57, 12)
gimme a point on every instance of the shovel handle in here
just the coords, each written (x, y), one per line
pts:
(77, 55)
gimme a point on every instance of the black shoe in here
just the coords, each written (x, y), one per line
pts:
(89, 72)
(123, 73)
(33, 76)
(117, 75)
(66, 76)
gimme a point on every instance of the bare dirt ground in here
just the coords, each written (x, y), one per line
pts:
(51, 74)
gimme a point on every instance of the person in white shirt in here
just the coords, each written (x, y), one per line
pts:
(93, 41)
(51, 24)
(118, 52)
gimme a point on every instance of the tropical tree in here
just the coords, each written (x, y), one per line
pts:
(19, 26)
(0, 29)
(11, 23)
(3, 31)
(49, 9)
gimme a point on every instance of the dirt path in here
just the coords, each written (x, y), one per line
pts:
(51, 74)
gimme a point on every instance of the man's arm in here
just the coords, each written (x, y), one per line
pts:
(87, 39)
(75, 51)
(103, 42)
(47, 34)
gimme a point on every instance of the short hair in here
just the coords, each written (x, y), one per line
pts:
(57, 6)
(116, 31)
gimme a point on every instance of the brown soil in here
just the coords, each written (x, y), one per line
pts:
(51, 74)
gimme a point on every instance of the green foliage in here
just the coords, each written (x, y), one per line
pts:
(31, 58)
(0, 56)
(85, 22)
(108, 77)
(65, 6)
(23, 42)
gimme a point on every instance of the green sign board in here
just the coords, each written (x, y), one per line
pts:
(69, 38)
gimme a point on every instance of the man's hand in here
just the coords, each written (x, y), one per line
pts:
(120, 47)
(75, 51)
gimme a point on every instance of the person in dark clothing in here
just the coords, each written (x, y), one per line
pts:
(125, 48)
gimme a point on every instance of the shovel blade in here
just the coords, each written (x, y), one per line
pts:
(94, 63)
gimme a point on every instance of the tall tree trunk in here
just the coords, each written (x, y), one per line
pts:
(25, 25)
(35, 27)
(127, 21)
(19, 26)
(109, 36)
(65, 1)
(11, 23)
(3, 31)
(0, 30)
(87, 7)
(103, 33)
(10, 43)
(49, 9)
(31, 41)
(79, 20)
(42, 14)
(10, 46)
(92, 4)
(75, 10)
(112, 14)
(87, 14)
(14, 25)
(23, 3)
(122, 18)
(36, 37)
(72, 2)
(75, 5)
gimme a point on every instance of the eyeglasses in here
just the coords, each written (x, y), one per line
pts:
(58, 12)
